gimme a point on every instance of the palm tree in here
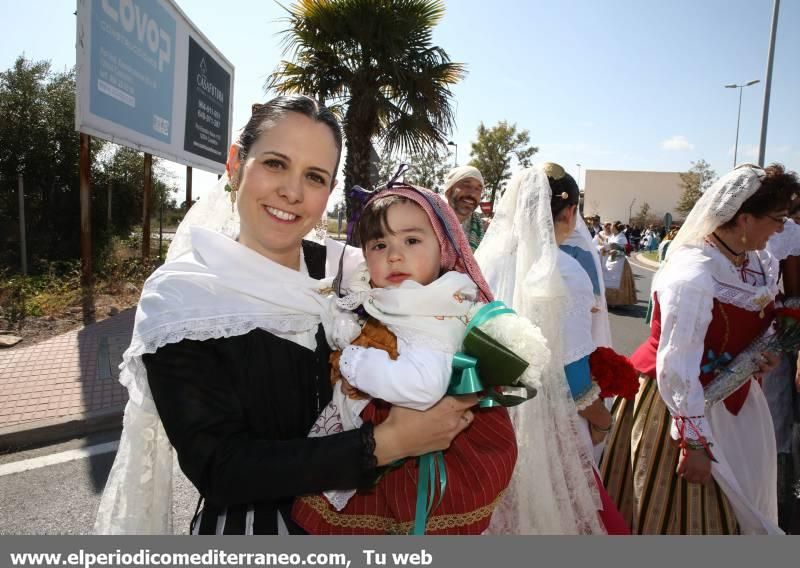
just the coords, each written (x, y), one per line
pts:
(373, 60)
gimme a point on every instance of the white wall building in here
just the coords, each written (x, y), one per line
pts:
(618, 195)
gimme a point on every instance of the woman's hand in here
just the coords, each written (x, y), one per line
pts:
(597, 436)
(408, 433)
(599, 418)
(694, 466)
(769, 362)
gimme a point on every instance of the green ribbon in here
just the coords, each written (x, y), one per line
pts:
(464, 380)
(429, 464)
(487, 312)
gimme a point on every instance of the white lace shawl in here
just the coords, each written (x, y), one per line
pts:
(218, 288)
(553, 489)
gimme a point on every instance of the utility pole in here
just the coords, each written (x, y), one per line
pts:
(762, 146)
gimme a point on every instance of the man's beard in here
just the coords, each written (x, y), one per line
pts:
(465, 206)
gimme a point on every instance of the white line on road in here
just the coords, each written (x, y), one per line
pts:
(53, 459)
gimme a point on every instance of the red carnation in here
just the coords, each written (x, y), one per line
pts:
(614, 374)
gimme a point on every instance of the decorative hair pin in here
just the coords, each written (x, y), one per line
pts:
(564, 195)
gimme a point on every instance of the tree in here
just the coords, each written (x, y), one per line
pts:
(428, 168)
(694, 182)
(375, 61)
(494, 150)
(38, 140)
(643, 214)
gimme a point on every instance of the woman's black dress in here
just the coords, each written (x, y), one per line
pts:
(238, 410)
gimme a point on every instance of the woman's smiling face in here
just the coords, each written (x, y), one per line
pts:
(284, 184)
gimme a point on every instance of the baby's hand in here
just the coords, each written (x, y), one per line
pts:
(350, 391)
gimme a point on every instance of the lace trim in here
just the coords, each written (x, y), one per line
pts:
(349, 361)
(746, 297)
(133, 374)
(586, 399)
(729, 288)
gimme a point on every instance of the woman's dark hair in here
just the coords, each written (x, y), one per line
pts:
(565, 193)
(774, 194)
(264, 116)
(373, 224)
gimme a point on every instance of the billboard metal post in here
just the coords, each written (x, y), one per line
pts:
(86, 217)
(22, 244)
(188, 187)
(148, 182)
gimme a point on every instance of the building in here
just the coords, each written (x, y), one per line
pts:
(618, 195)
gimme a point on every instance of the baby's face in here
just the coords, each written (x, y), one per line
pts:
(408, 250)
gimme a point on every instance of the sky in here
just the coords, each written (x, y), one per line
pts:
(607, 84)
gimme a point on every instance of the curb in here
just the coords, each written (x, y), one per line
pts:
(641, 259)
(43, 432)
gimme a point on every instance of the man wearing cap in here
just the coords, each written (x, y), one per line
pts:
(463, 188)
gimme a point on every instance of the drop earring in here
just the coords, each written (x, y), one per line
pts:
(232, 187)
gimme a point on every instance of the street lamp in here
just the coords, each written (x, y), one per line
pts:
(739, 114)
(579, 175)
(455, 155)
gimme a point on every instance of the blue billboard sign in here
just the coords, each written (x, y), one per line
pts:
(133, 65)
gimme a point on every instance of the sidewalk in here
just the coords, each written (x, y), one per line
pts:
(65, 386)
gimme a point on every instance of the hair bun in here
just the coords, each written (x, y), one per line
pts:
(553, 170)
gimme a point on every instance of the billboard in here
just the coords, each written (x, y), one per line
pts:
(149, 79)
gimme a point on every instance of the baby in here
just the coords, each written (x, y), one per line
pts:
(420, 287)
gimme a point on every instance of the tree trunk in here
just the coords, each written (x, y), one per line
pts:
(356, 165)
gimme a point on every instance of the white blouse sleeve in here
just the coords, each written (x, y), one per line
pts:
(417, 379)
(686, 311)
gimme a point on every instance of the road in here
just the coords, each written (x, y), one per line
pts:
(62, 498)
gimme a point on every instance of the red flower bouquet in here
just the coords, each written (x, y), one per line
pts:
(614, 374)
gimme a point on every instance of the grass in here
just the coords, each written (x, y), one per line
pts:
(651, 255)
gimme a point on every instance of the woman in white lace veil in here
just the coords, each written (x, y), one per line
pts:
(554, 489)
(228, 362)
(713, 296)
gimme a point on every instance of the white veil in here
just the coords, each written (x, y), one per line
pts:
(553, 490)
